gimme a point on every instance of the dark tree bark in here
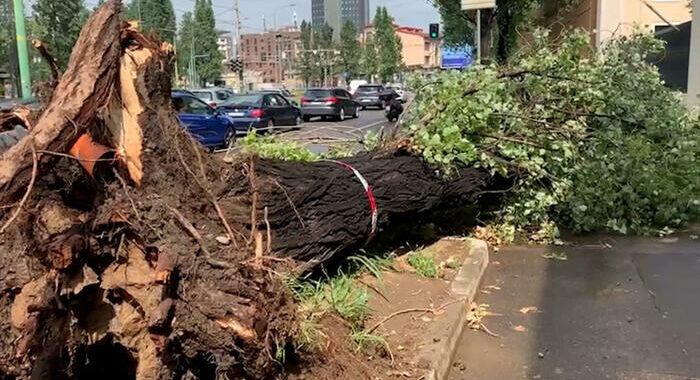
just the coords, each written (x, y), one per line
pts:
(320, 210)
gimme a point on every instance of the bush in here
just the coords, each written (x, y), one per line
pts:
(592, 139)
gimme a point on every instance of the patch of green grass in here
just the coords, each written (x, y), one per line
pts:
(348, 300)
(424, 264)
(363, 340)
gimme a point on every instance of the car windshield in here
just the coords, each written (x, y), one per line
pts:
(369, 89)
(246, 100)
(316, 94)
(204, 95)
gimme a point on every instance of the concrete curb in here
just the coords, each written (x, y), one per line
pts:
(464, 286)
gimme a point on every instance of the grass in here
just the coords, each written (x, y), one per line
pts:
(363, 340)
(340, 294)
(424, 264)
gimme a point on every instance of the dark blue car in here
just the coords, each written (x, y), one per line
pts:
(261, 111)
(209, 126)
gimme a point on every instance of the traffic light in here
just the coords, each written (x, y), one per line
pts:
(435, 31)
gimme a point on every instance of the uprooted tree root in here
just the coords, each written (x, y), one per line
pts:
(155, 260)
(102, 278)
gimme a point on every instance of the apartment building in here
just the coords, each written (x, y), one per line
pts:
(271, 54)
(418, 50)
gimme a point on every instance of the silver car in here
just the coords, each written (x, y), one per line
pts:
(214, 96)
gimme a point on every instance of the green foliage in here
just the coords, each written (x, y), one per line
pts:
(348, 300)
(272, 148)
(158, 16)
(389, 46)
(592, 139)
(557, 256)
(60, 23)
(351, 51)
(424, 264)
(209, 65)
(370, 58)
(5, 36)
(315, 55)
(185, 42)
(506, 23)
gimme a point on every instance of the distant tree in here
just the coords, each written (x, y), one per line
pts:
(5, 34)
(60, 23)
(158, 16)
(209, 66)
(185, 42)
(39, 69)
(389, 46)
(370, 58)
(351, 51)
(307, 64)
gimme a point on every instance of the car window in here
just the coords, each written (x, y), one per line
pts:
(270, 101)
(196, 106)
(347, 94)
(339, 93)
(204, 95)
(369, 89)
(317, 94)
(220, 95)
(282, 101)
(245, 100)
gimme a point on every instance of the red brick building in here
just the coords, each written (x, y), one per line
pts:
(271, 53)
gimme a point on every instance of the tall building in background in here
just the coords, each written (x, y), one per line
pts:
(336, 12)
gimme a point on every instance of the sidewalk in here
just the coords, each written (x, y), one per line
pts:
(616, 308)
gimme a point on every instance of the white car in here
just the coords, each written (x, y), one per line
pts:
(399, 91)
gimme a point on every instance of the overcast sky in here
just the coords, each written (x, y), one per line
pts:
(417, 13)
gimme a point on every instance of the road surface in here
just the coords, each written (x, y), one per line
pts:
(318, 134)
(617, 308)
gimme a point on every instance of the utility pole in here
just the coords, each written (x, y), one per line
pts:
(22, 54)
(239, 53)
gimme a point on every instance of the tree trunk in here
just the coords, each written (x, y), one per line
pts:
(85, 85)
(321, 210)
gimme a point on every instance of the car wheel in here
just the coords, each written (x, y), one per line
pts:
(307, 118)
(357, 113)
(230, 138)
(341, 117)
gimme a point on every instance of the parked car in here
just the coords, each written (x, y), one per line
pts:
(278, 91)
(214, 96)
(354, 84)
(399, 91)
(209, 126)
(368, 96)
(261, 110)
(329, 102)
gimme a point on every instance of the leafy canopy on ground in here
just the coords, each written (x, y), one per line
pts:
(424, 264)
(593, 139)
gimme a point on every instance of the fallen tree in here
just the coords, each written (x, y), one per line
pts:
(139, 256)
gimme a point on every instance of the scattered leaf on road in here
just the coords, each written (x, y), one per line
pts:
(529, 309)
(519, 328)
(493, 287)
(561, 256)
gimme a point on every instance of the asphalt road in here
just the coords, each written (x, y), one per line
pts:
(319, 134)
(617, 308)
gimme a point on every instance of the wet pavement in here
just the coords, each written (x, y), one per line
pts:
(616, 308)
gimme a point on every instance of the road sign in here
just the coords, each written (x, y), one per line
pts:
(456, 58)
(478, 4)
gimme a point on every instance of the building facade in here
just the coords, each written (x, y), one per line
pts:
(224, 42)
(271, 54)
(336, 12)
(606, 18)
(418, 50)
